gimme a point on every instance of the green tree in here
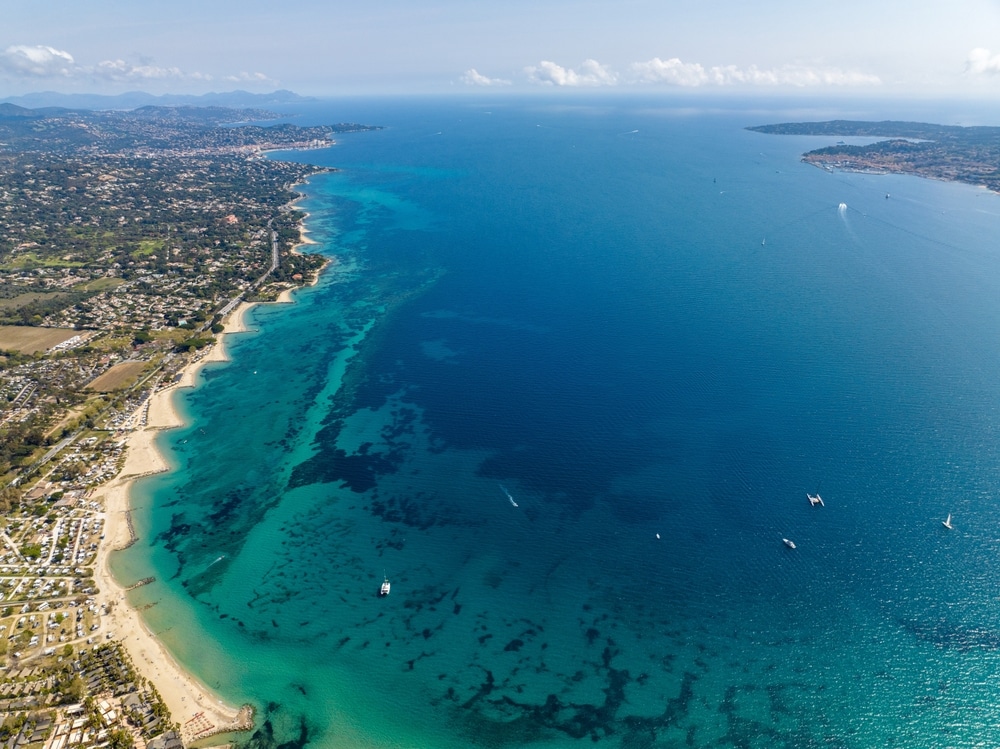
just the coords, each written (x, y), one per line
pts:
(31, 551)
(119, 738)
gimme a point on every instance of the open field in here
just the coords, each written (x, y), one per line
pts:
(27, 340)
(118, 377)
(22, 300)
(34, 260)
(100, 284)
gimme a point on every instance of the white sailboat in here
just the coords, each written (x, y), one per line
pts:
(947, 523)
(815, 500)
(789, 544)
(384, 590)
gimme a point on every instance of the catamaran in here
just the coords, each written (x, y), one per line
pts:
(815, 500)
(384, 590)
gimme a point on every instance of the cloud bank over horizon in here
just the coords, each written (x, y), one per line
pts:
(674, 72)
(322, 48)
(42, 62)
(677, 73)
(972, 68)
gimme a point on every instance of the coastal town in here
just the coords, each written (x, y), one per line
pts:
(944, 152)
(129, 243)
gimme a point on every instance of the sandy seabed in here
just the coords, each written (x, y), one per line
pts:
(198, 711)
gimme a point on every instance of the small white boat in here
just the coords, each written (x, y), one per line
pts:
(384, 590)
(815, 499)
(947, 523)
(789, 544)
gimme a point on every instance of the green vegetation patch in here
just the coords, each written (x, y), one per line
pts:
(31, 260)
(23, 300)
(100, 284)
(148, 246)
(30, 551)
(194, 343)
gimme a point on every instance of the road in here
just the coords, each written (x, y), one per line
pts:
(231, 304)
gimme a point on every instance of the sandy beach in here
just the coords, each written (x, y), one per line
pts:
(198, 711)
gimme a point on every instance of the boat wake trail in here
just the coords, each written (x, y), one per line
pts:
(842, 212)
(509, 497)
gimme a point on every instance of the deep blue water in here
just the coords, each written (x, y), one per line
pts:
(656, 331)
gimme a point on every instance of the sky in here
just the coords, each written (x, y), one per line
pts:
(916, 48)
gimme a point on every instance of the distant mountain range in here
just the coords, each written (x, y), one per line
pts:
(135, 99)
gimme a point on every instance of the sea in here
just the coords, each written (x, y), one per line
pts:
(566, 383)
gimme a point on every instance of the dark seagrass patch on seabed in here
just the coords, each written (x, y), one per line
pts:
(944, 633)
(268, 736)
(506, 721)
(763, 724)
(358, 470)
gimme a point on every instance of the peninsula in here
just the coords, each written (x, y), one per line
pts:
(944, 152)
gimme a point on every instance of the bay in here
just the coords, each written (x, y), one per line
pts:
(567, 384)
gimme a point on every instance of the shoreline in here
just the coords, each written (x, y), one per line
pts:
(285, 295)
(193, 706)
(198, 711)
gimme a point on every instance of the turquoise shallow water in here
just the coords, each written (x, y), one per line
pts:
(636, 319)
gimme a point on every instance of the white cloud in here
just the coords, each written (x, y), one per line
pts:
(245, 77)
(119, 70)
(29, 62)
(473, 77)
(982, 62)
(671, 71)
(37, 62)
(591, 73)
(674, 72)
